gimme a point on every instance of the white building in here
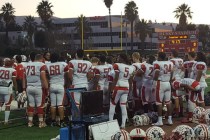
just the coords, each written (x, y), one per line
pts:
(100, 37)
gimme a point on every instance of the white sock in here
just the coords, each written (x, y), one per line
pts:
(170, 118)
(160, 119)
(41, 119)
(6, 116)
(111, 111)
(124, 115)
(30, 119)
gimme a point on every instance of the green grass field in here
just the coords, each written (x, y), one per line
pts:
(208, 82)
(18, 130)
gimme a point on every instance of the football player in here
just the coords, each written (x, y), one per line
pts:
(163, 71)
(120, 80)
(147, 92)
(58, 71)
(101, 72)
(199, 73)
(7, 81)
(79, 72)
(191, 87)
(35, 79)
(137, 82)
(177, 74)
(20, 75)
(94, 61)
(189, 64)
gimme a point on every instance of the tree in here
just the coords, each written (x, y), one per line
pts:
(30, 26)
(191, 27)
(108, 4)
(40, 39)
(1, 23)
(82, 21)
(45, 13)
(131, 14)
(8, 17)
(182, 12)
(142, 29)
(203, 35)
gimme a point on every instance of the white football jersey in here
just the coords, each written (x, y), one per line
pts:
(165, 68)
(33, 72)
(187, 81)
(200, 66)
(110, 66)
(178, 63)
(6, 75)
(188, 66)
(111, 76)
(91, 81)
(102, 71)
(147, 70)
(80, 69)
(125, 71)
(56, 72)
(136, 67)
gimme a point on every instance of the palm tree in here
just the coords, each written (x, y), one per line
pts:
(108, 4)
(183, 12)
(142, 29)
(45, 12)
(82, 21)
(8, 17)
(30, 26)
(131, 14)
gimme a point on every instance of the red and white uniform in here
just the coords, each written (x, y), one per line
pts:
(6, 84)
(163, 87)
(137, 81)
(122, 86)
(147, 91)
(102, 71)
(188, 67)
(34, 83)
(110, 68)
(193, 96)
(80, 69)
(186, 81)
(177, 72)
(56, 72)
(91, 81)
(200, 66)
(120, 92)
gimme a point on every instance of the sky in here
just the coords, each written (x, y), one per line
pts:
(154, 10)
